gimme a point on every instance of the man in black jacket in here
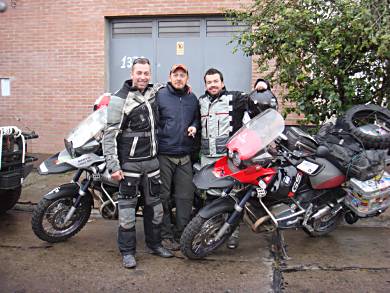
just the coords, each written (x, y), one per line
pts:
(130, 149)
(178, 124)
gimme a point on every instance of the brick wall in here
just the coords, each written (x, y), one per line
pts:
(54, 54)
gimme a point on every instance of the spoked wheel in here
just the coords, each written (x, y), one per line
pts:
(48, 220)
(199, 237)
(370, 124)
(324, 225)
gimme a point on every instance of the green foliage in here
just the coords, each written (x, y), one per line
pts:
(329, 55)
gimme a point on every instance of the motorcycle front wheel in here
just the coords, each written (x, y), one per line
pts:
(198, 239)
(49, 215)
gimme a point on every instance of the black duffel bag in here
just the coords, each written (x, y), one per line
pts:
(348, 154)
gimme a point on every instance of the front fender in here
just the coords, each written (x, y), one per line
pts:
(222, 204)
(206, 179)
(63, 189)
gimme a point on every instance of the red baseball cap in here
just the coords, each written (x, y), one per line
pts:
(178, 66)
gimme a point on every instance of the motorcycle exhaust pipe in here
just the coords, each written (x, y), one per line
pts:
(326, 210)
(259, 222)
(253, 221)
(322, 212)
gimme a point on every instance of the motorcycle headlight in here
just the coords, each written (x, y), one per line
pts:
(69, 148)
(236, 159)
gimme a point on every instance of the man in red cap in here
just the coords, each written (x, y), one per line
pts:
(178, 123)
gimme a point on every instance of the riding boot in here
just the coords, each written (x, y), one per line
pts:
(126, 240)
(234, 239)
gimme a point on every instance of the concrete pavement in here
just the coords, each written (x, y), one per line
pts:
(352, 259)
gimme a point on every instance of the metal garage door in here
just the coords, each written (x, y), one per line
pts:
(200, 43)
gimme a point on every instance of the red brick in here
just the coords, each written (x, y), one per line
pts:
(54, 53)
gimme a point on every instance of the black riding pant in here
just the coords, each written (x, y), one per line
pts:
(141, 179)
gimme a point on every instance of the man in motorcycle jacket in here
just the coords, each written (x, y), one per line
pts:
(222, 114)
(178, 123)
(130, 149)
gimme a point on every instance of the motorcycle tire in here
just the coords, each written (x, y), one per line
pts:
(8, 198)
(323, 226)
(359, 116)
(194, 248)
(47, 219)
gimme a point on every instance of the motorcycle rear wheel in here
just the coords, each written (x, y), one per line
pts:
(323, 225)
(197, 240)
(48, 217)
(8, 198)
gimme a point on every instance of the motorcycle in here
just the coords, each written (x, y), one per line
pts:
(15, 164)
(275, 179)
(65, 210)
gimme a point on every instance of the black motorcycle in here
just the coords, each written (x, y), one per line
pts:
(15, 164)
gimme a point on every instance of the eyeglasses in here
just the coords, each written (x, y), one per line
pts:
(141, 60)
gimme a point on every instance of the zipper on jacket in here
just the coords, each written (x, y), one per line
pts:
(181, 123)
(207, 120)
(151, 119)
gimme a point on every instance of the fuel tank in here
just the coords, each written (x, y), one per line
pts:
(328, 176)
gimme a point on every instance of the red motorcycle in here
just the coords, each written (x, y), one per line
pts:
(272, 185)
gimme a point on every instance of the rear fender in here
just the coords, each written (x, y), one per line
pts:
(222, 204)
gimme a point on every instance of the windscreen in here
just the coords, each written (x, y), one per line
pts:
(256, 134)
(88, 128)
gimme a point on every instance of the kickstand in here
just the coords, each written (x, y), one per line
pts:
(279, 247)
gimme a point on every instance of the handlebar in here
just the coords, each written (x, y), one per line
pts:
(30, 135)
